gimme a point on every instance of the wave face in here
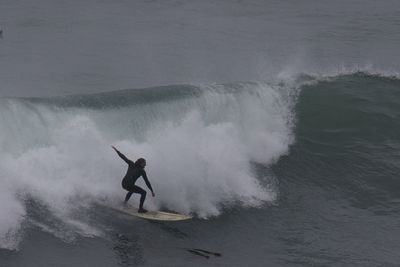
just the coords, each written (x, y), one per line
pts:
(348, 138)
(339, 182)
(199, 142)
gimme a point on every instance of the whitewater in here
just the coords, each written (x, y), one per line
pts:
(199, 143)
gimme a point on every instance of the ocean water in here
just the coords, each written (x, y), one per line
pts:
(274, 123)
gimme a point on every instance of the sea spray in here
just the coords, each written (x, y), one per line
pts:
(199, 145)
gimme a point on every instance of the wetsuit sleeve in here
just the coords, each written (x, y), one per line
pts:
(144, 175)
(122, 156)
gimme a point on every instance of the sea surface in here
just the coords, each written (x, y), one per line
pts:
(276, 124)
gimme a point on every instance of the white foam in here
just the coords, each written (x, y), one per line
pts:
(11, 217)
(196, 164)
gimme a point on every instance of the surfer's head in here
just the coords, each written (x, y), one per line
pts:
(141, 162)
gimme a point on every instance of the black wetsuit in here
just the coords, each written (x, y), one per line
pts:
(131, 176)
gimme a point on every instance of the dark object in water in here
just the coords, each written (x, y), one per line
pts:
(198, 253)
(209, 252)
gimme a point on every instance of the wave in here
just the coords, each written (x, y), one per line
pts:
(353, 108)
(199, 141)
(347, 140)
(337, 133)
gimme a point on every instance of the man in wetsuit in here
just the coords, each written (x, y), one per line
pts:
(135, 170)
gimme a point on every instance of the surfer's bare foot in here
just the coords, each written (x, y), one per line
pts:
(142, 210)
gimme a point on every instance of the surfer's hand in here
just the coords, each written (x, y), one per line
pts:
(153, 194)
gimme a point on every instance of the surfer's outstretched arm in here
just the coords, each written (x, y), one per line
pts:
(122, 156)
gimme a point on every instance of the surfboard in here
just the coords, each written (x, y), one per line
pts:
(154, 215)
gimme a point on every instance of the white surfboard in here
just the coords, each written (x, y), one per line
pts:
(154, 215)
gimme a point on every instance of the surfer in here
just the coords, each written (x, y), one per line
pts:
(135, 170)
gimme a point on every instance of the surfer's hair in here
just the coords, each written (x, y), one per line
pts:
(140, 161)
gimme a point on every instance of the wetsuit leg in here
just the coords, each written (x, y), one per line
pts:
(136, 189)
(142, 197)
(128, 196)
